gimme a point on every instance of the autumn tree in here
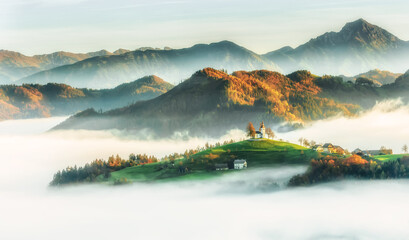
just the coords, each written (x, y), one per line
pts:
(251, 131)
(301, 140)
(405, 148)
(270, 133)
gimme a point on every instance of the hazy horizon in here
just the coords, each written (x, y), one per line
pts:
(84, 25)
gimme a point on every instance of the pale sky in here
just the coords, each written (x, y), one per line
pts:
(45, 26)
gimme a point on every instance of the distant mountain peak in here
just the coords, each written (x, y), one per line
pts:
(360, 23)
(364, 33)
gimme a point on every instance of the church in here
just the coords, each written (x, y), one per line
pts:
(262, 132)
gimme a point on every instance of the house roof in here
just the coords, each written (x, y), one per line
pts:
(328, 145)
(239, 161)
(221, 165)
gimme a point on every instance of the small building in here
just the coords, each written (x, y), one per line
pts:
(318, 148)
(328, 148)
(240, 164)
(357, 152)
(221, 166)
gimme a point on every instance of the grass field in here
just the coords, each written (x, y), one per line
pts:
(261, 153)
(389, 157)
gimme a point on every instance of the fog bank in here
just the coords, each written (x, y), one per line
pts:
(248, 205)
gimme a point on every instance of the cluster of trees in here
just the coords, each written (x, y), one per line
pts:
(91, 171)
(331, 168)
(306, 143)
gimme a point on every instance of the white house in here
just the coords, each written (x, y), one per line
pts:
(240, 164)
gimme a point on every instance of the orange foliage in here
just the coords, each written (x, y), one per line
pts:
(355, 160)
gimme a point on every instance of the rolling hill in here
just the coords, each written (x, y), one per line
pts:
(212, 102)
(52, 99)
(359, 47)
(259, 154)
(173, 65)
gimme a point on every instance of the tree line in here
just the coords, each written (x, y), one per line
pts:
(331, 168)
(90, 171)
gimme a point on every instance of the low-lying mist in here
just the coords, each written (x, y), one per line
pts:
(384, 125)
(254, 204)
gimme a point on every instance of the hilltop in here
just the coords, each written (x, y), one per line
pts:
(53, 99)
(211, 102)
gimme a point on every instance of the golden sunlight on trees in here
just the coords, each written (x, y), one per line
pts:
(251, 131)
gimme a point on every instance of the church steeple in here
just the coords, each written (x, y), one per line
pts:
(262, 130)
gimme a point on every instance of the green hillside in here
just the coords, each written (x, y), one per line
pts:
(391, 157)
(258, 153)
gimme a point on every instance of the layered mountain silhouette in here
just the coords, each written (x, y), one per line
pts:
(358, 47)
(53, 99)
(14, 65)
(211, 102)
(172, 65)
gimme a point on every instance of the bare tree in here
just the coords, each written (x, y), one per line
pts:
(306, 143)
(405, 148)
(270, 133)
(301, 140)
(313, 143)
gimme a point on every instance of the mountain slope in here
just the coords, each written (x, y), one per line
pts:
(14, 65)
(34, 100)
(212, 102)
(358, 47)
(173, 65)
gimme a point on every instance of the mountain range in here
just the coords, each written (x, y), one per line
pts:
(358, 47)
(172, 65)
(14, 65)
(55, 99)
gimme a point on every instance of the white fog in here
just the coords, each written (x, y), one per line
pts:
(238, 206)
